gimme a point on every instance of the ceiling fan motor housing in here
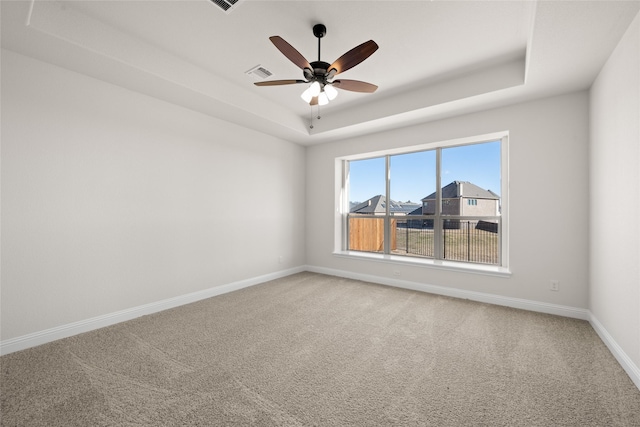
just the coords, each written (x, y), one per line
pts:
(318, 73)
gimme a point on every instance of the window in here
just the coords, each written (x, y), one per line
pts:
(442, 202)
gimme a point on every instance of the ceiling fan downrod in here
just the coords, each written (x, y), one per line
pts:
(319, 31)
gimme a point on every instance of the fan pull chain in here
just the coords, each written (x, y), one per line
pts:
(311, 116)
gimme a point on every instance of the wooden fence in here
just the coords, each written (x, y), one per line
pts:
(367, 234)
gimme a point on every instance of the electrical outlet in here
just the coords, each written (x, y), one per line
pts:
(554, 285)
(280, 259)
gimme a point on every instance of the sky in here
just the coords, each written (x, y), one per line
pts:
(413, 175)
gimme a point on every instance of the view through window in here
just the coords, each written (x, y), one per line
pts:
(443, 203)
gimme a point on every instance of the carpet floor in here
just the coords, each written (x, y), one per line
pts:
(317, 350)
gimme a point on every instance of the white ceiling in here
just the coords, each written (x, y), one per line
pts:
(436, 58)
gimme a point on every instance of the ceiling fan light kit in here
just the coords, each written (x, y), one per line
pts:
(331, 92)
(320, 74)
(323, 99)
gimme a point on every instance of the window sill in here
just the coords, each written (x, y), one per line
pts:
(462, 267)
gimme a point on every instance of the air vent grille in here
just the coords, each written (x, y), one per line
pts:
(226, 5)
(259, 72)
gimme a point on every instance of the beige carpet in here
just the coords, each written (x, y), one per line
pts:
(317, 350)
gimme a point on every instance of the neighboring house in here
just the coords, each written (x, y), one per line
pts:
(461, 198)
(377, 206)
(465, 199)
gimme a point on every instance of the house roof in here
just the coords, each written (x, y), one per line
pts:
(457, 189)
(417, 211)
(377, 205)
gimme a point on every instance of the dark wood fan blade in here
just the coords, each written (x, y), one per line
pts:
(355, 86)
(290, 52)
(354, 56)
(278, 82)
(314, 101)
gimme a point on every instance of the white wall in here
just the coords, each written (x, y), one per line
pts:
(614, 257)
(548, 200)
(112, 200)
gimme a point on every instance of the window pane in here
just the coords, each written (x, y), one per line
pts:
(470, 189)
(367, 186)
(413, 237)
(470, 180)
(413, 177)
(471, 240)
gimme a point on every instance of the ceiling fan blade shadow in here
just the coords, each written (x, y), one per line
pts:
(290, 52)
(279, 82)
(355, 86)
(354, 56)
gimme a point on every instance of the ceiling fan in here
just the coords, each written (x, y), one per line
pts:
(320, 74)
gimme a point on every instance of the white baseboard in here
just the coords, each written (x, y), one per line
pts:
(625, 361)
(42, 337)
(541, 307)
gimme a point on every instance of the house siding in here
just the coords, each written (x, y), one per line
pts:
(483, 208)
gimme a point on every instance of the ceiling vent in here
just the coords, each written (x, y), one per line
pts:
(227, 6)
(259, 72)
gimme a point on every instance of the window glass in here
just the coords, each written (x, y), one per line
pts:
(367, 188)
(366, 182)
(400, 217)
(469, 171)
(413, 176)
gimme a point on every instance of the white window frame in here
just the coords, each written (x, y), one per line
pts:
(342, 208)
